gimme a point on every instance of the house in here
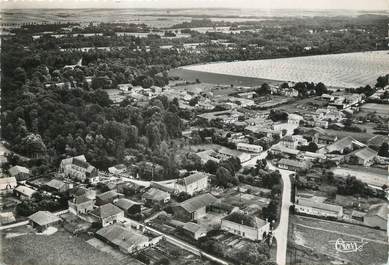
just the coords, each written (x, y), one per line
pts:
(128, 188)
(293, 165)
(193, 230)
(311, 207)
(289, 142)
(357, 215)
(56, 185)
(227, 153)
(319, 136)
(377, 216)
(126, 239)
(377, 140)
(7, 184)
(252, 148)
(246, 226)
(24, 192)
(193, 183)
(81, 205)
(117, 169)
(43, 219)
(364, 157)
(20, 173)
(344, 145)
(193, 208)
(281, 150)
(156, 196)
(108, 214)
(79, 169)
(7, 218)
(129, 207)
(107, 197)
(294, 119)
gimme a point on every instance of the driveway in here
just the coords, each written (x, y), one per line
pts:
(281, 232)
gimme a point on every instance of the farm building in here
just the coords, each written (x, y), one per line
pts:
(81, 204)
(24, 192)
(253, 148)
(245, 225)
(294, 165)
(310, 207)
(126, 239)
(43, 219)
(193, 230)
(20, 173)
(107, 197)
(193, 208)
(108, 214)
(364, 156)
(154, 195)
(377, 216)
(129, 207)
(79, 169)
(56, 185)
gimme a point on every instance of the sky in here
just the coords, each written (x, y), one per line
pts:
(380, 5)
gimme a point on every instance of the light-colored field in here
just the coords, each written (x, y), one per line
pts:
(343, 70)
(372, 176)
(318, 238)
(379, 108)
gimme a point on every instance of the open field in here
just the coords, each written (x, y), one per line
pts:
(372, 176)
(315, 242)
(219, 78)
(343, 70)
(57, 249)
(381, 109)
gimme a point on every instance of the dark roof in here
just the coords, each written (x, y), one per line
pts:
(108, 195)
(122, 237)
(107, 210)
(195, 203)
(55, 183)
(125, 204)
(43, 218)
(156, 195)
(245, 219)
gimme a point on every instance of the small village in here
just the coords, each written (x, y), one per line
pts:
(212, 212)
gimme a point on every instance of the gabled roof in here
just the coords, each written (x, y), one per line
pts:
(107, 210)
(195, 203)
(365, 153)
(108, 195)
(294, 163)
(13, 171)
(378, 140)
(125, 204)
(192, 178)
(193, 227)
(124, 238)
(56, 184)
(43, 218)
(319, 205)
(380, 210)
(25, 190)
(241, 218)
(81, 199)
(343, 143)
(156, 195)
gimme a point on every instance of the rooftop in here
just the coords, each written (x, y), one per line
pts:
(192, 178)
(125, 204)
(318, 205)
(198, 202)
(380, 210)
(245, 219)
(107, 210)
(43, 218)
(124, 238)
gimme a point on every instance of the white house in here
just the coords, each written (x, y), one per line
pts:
(253, 148)
(244, 225)
(310, 207)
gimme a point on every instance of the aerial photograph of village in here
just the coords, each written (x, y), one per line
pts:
(191, 132)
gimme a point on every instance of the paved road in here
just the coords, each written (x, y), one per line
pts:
(253, 161)
(281, 232)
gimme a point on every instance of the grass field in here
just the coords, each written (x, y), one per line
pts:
(342, 70)
(220, 79)
(382, 109)
(372, 176)
(58, 249)
(314, 240)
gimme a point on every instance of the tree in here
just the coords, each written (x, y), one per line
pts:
(384, 150)
(147, 82)
(211, 166)
(263, 90)
(320, 89)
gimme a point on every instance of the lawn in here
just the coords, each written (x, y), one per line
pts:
(372, 176)
(315, 241)
(379, 108)
(60, 248)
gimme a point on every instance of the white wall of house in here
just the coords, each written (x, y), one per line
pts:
(248, 232)
(317, 212)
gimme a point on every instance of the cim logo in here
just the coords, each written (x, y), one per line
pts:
(348, 246)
